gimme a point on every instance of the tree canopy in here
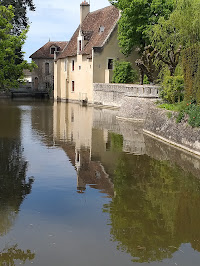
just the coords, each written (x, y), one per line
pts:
(137, 17)
(10, 71)
(20, 19)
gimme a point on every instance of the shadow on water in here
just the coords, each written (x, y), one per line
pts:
(14, 186)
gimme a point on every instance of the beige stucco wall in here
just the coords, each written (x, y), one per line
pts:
(81, 75)
(111, 50)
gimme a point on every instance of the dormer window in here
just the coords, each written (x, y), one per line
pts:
(53, 49)
(101, 29)
(80, 43)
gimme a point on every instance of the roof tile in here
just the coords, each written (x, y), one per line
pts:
(44, 51)
(106, 18)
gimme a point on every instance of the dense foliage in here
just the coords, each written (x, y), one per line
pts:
(11, 63)
(178, 38)
(123, 72)
(20, 8)
(172, 29)
(137, 17)
(172, 88)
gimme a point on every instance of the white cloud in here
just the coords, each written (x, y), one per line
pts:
(54, 19)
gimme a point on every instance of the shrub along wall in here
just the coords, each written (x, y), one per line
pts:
(191, 69)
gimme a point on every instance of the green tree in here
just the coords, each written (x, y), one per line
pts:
(137, 17)
(186, 18)
(123, 72)
(179, 30)
(11, 72)
(20, 19)
(179, 35)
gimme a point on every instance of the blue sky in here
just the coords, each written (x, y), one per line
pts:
(55, 20)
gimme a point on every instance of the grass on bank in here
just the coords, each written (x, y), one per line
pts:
(188, 110)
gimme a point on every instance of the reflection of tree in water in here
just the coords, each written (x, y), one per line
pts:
(13, 184)
(155, 209)
(8, 256)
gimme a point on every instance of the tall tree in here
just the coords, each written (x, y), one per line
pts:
(11, 63)
(137, 17)
(20, 19)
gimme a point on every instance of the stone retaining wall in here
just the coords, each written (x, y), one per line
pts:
(159, 125)
(135, 108)
(113, 94)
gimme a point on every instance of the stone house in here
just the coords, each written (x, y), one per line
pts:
(43, 76)
(88, 58)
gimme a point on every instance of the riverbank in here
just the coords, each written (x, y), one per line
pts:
(162, 124)
(138, 103)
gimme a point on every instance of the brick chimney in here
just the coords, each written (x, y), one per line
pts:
(84, 10)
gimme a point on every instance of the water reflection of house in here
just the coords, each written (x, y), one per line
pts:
(88, 58)
(73, 132)
(43, 76)
(73, 123)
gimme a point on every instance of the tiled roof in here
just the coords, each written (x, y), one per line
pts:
(106, 18)
(44, 51)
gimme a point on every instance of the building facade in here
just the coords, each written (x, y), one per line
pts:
(43, 76)
(89, 56)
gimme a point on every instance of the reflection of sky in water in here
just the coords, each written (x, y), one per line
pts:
(61, 226)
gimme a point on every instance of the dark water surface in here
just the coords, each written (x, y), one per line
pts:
(78, 187)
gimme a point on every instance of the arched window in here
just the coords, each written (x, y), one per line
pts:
(46, 68)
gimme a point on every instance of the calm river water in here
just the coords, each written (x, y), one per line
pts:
(78, 187)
